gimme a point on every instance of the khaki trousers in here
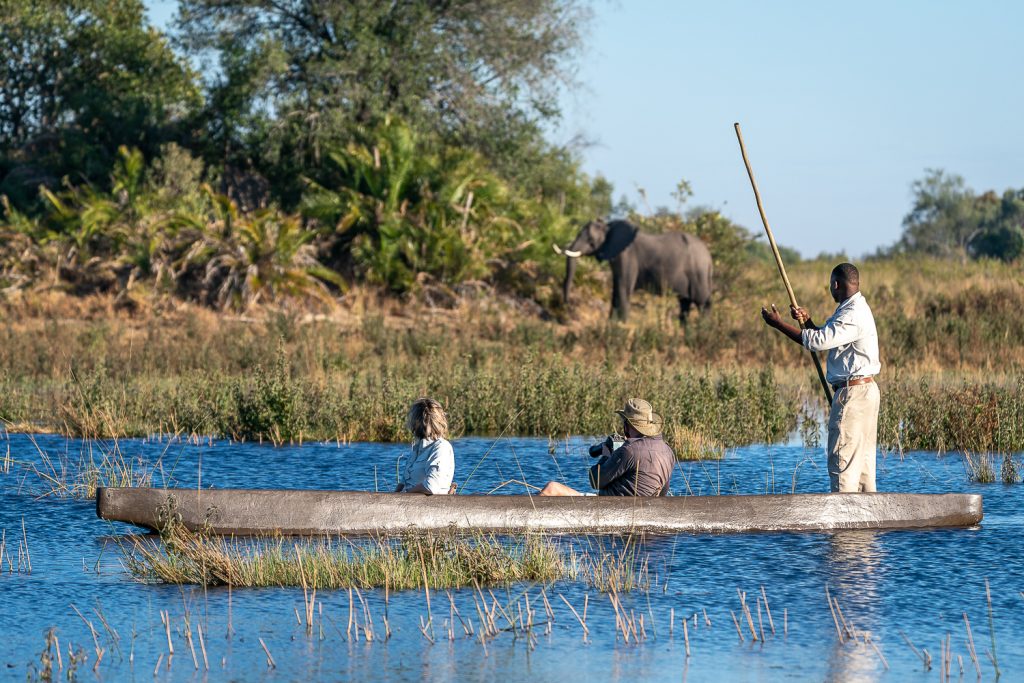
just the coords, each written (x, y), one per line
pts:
(853, 438)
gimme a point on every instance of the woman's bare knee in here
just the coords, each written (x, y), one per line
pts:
(553, 488)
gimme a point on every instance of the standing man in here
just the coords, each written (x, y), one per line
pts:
(851, 340)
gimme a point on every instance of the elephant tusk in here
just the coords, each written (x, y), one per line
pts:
(566, 252)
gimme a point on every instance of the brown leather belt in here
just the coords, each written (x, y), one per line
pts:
(852, 382)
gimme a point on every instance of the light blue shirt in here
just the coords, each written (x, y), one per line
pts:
(431, 462)
(851, 340)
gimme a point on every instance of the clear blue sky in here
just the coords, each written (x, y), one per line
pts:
(842, 106)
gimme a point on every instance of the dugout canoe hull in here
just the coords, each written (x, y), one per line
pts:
(306, 512)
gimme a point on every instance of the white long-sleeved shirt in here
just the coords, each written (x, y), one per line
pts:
(431, 463)
(851, 340)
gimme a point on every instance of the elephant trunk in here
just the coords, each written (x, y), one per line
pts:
(570, 270)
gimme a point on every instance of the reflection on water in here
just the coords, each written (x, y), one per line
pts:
(852, 662)
(854, 561)
(919, 582)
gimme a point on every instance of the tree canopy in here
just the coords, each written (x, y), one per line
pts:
(948, 219)
(295, 78)
(79, 79)
(387, 142)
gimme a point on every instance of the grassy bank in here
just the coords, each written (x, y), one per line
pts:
(93, 368)
(542, 397)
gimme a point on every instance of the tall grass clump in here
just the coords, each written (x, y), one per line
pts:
(92, 409)
(270, 407)
(1009, 471)
(618, 568)
(447, 559)
(980, 468)
(97, 465)
(693, 444)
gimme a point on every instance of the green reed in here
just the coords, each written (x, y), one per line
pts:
(540, 395)
(447, 559)
(1009, 471)
(986, 416)
(535, 394)
(980, 467)
(98, 464)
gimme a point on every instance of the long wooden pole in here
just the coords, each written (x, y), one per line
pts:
(778, 257)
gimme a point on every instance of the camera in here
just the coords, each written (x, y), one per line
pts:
(612, 442)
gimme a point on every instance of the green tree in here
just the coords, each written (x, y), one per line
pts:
(944, 218)
(949, 219)
(78, 80)
(1001, 234)
(303, 75)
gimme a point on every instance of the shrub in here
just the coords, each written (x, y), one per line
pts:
(271, 408)
(406, 206)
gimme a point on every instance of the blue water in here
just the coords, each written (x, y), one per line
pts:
(918, 583)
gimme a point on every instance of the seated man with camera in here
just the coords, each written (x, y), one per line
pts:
(639, 466)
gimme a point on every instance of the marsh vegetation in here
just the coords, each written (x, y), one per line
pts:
(278, 374)
(177, 257)
(433, 560)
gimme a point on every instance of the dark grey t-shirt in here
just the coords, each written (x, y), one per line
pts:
(640, 467)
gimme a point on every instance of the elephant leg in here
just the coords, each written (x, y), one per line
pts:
(624, 308)
(621, 291)
(684, 308)
(620, 302)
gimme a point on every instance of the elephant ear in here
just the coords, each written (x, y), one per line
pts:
(620, 235)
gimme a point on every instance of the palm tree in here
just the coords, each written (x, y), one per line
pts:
(239, 260)
(400, 208)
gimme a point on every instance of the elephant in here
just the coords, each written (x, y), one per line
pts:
(670, 262)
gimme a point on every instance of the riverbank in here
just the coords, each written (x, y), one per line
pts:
(97, 367)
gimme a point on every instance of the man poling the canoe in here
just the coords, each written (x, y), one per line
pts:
(851, 340)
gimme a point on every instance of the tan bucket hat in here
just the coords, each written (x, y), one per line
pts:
(641, 415)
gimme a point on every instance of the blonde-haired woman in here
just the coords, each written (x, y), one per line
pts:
(431, 464)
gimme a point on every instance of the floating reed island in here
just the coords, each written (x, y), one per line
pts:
(443, 559)
(181, 556)
(306, 512)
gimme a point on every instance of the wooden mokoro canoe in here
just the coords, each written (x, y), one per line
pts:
(304, 512)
